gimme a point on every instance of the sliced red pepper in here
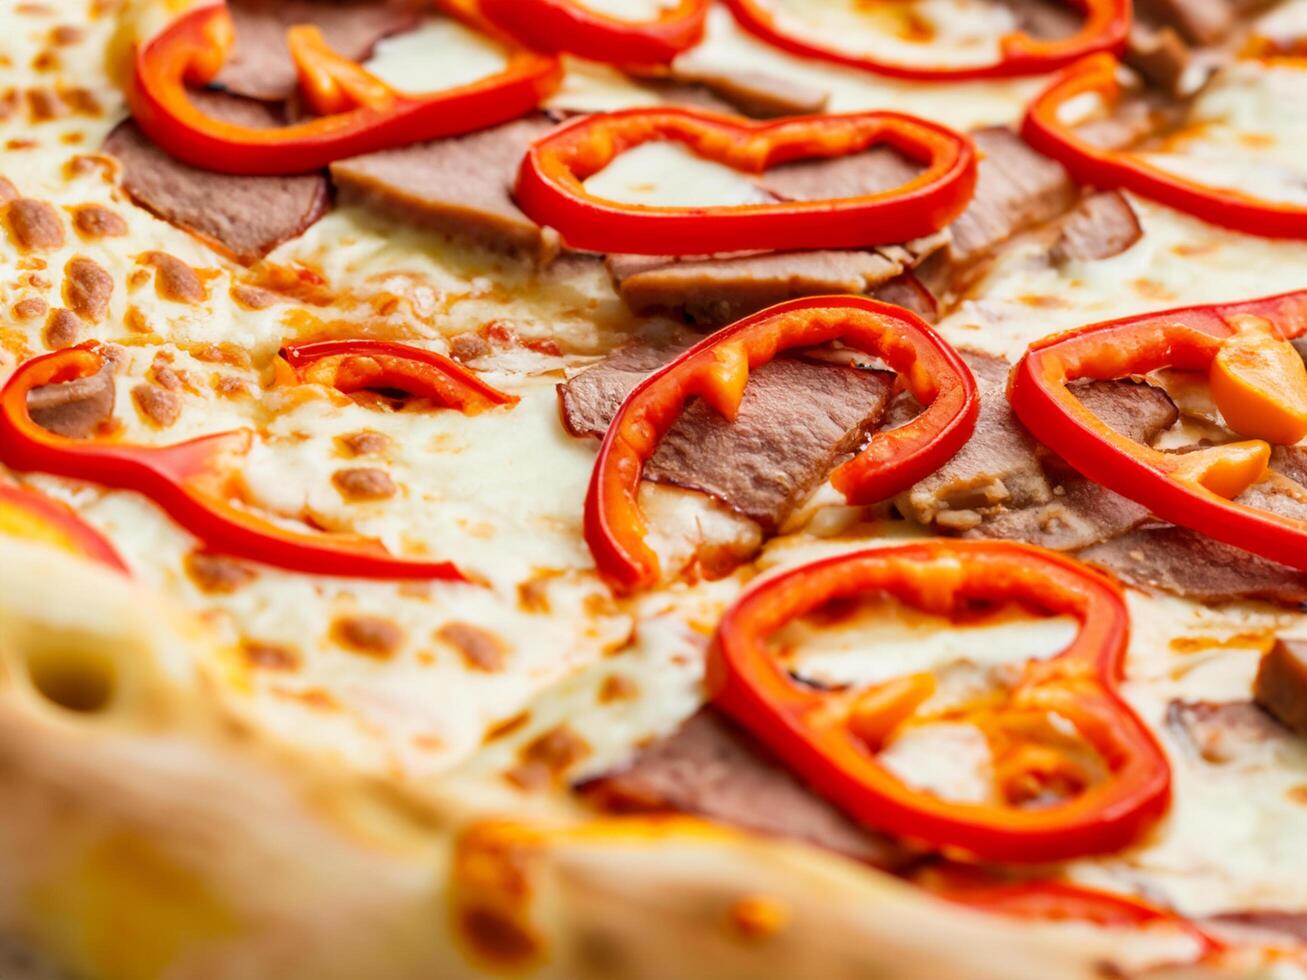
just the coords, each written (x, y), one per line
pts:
(1189, 489)
(1046, 128)
(356, 365)
(821, 733)
(550, 182)
(717, 368)
(24, 513)
(1058, 901)
(191, 481)
(362, 112)
(574, 27)
(1106, 26)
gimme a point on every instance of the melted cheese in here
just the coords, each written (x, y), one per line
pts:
(667, 174)
(440, 54)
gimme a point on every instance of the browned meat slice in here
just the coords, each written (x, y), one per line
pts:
(719, 290)
(1159, 55)
(460, 185)
(712, 769)
(74, 408)
(849, 176)
(1291, 461)
(909, 292)
(1188, 564)
(1002, 484)
(1197, 21)
(795, 420)
(1016, 189)
(260, 65)
(1042, 19)
(1100, 226)
(1281, 684)
(999, 465)
(1283, 921)
(753, 93)
(1223, 731)
(245, 217)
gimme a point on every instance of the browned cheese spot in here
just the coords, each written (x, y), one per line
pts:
(468, 347)
(269, 656)
(62, 329)
(8, 192)
(360, 483)
(82, 101)
(252, 297)
(33, 225)
(480, 648)
(94, 221)
(64, 35)
(546, 758)
(160, 406)
(218, 574)
(31, 308)
(372, 636)
(89, 163)
(618, 687)
(87, 288)
(43, 105)
(364, 443)
(174, 280)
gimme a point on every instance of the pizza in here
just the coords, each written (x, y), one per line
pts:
(653, 488)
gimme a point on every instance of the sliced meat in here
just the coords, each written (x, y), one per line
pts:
(712, 769)
(1281, 684)
(1004, 485)
(260, 64)
(719, 290)
(1016, 189)
(795, 420)
(753, 93)
(1160, 56)
(1188, 564)
(1283, 921)
(459, 186)
(74, 409)
(1290, 461)
(1100, 226)
(870, 172)
(1223, 731)
(1197, 21)
(245, 217)
(909, 292)
(998, 467)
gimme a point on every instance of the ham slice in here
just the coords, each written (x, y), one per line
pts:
(260, 64)
(1099, 227)
(75, 409)
(796, 419)
(1281, 684)
(713, 769)
(245, 217)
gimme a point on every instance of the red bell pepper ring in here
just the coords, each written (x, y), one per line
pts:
(821, 734)
(362, 112)
(1185, 489)
(1048, 131)
(191, 481)
(27, 514)
(550, 182)
(357, 365)
(1058, 901)
(572, 26)
(717, 369)
(1106, 27)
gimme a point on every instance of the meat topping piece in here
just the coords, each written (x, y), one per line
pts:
(34, 225)
(1223, 731)
(1198, 21)
(1160, 56)
(795, 420)
(1281, 684)
(245, 217)
(753, 93)
(260, 64)
(1286, 922)
(1080, 514)
(720, 290)
(87, 288)
(712, 769)
(1016, 189)
(460, 185)
(74, 409)
(1101, 226)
